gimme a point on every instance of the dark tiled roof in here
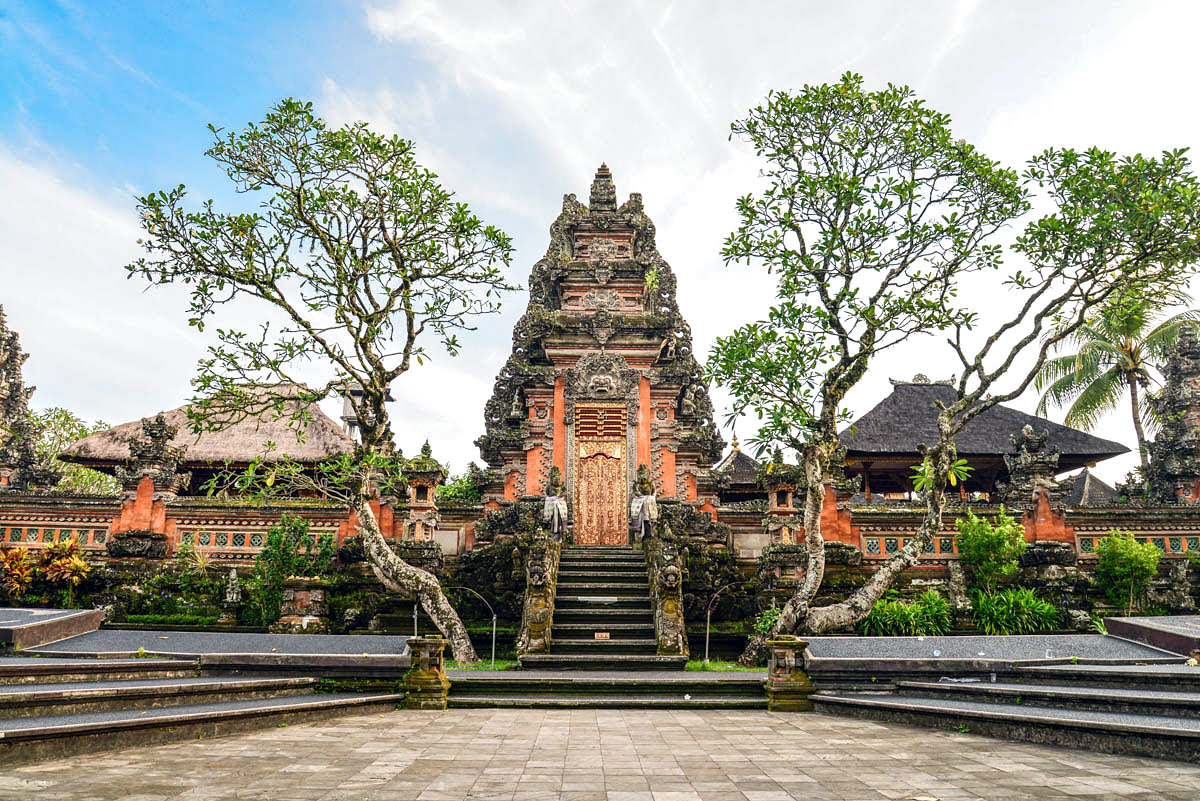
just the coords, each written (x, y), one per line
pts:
(908, 417)
(740, 468)
(1090, 491)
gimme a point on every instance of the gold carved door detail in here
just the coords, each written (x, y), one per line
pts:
(600, 514)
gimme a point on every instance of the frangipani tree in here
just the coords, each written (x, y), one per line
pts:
(872, 215)
(364, 258)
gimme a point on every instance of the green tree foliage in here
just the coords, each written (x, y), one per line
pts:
(1124, 568)
(289, 550)
(58, 428)
(465, 488)
(925, 616)
(871, 215)
(359, 258)
(1016, 610)
(1114, 354)
(990, 549)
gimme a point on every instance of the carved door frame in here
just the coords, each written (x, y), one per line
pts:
(611, 445)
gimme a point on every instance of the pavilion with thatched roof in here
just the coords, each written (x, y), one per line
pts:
(881, 446)
(317, 438)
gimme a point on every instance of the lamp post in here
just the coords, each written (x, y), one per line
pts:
(708, 615)
(490, 609)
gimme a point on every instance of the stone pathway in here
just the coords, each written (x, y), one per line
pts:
(600, 755)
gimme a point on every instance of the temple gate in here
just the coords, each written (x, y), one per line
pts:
(601, 378)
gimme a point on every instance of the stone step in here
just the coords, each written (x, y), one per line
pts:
(63, 698)
(616, 631)
(473, 701)
(588, 602)
(607, 559)
(1172, 677)
(1102, 699)
(602, 576)
(608, 683)
(24, 740)
(604, 569)
(603, 647)
(35, 670)
(618, 662)
(1158, 736)
(600, 617)
(603, 588)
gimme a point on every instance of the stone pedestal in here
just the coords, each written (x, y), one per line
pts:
(425, 683)
(788, 686)
(304, 607)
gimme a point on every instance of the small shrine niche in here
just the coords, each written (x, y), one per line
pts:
(423, 475)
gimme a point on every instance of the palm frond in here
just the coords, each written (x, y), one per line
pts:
(1098, 398)
(1159, 342)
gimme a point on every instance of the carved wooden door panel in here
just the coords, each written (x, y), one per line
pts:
(600, 513)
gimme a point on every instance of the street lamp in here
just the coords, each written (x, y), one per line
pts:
(708, 615)
(490, 609)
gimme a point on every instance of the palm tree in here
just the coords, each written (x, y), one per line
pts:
(1115, 351)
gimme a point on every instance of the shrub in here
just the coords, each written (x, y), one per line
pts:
(927, 615)
(62, 564)
(767, 619)
(1013, 611)
(1124, 568)
(289, 551)
(990, 548)
(16, 571)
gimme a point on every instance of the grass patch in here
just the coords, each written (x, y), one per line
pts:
(486, 664)
(716, 664)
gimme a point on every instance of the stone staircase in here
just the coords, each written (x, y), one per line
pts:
(53, 708)
(584, 689)
(1142, 710)
(602, 590)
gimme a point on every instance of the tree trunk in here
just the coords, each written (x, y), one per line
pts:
(1135, 407)
(797, 615)
(399, 576)
(794, 612)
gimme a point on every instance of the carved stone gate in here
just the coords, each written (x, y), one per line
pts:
(600, 475)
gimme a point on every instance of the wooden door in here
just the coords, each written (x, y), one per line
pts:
(601, 517)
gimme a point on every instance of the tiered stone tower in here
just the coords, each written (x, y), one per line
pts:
(601, 376)
(1174, 474)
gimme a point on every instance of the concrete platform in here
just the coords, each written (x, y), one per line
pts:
(322, 655)
(26, 628)
(1179, 634)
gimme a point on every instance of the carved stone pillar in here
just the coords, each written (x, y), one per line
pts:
(788, 685)
(425, 683)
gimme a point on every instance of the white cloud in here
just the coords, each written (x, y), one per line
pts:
(651, 89)
(98, 345)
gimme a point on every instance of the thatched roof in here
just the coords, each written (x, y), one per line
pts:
(1087, 490)
(240, 443)
(740, 468)
(908, 417)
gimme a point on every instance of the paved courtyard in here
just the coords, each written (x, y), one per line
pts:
(600, 755)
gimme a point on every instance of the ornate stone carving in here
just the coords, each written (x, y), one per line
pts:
(1031, 467)
(604, 325)
(541, 580)
(601, 299)
(1174, 473)
(153, 457)
(24, 468)
(665, 570)
(602, 376)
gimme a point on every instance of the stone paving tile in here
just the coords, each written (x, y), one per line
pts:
(602, 755)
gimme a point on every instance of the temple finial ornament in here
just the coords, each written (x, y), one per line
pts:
(604, 191)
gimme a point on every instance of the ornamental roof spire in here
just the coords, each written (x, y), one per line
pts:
(604, 191)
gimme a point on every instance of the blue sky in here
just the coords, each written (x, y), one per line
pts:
(513, 105)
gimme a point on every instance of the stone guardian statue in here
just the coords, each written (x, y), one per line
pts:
(643, 510)
(554, 511)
